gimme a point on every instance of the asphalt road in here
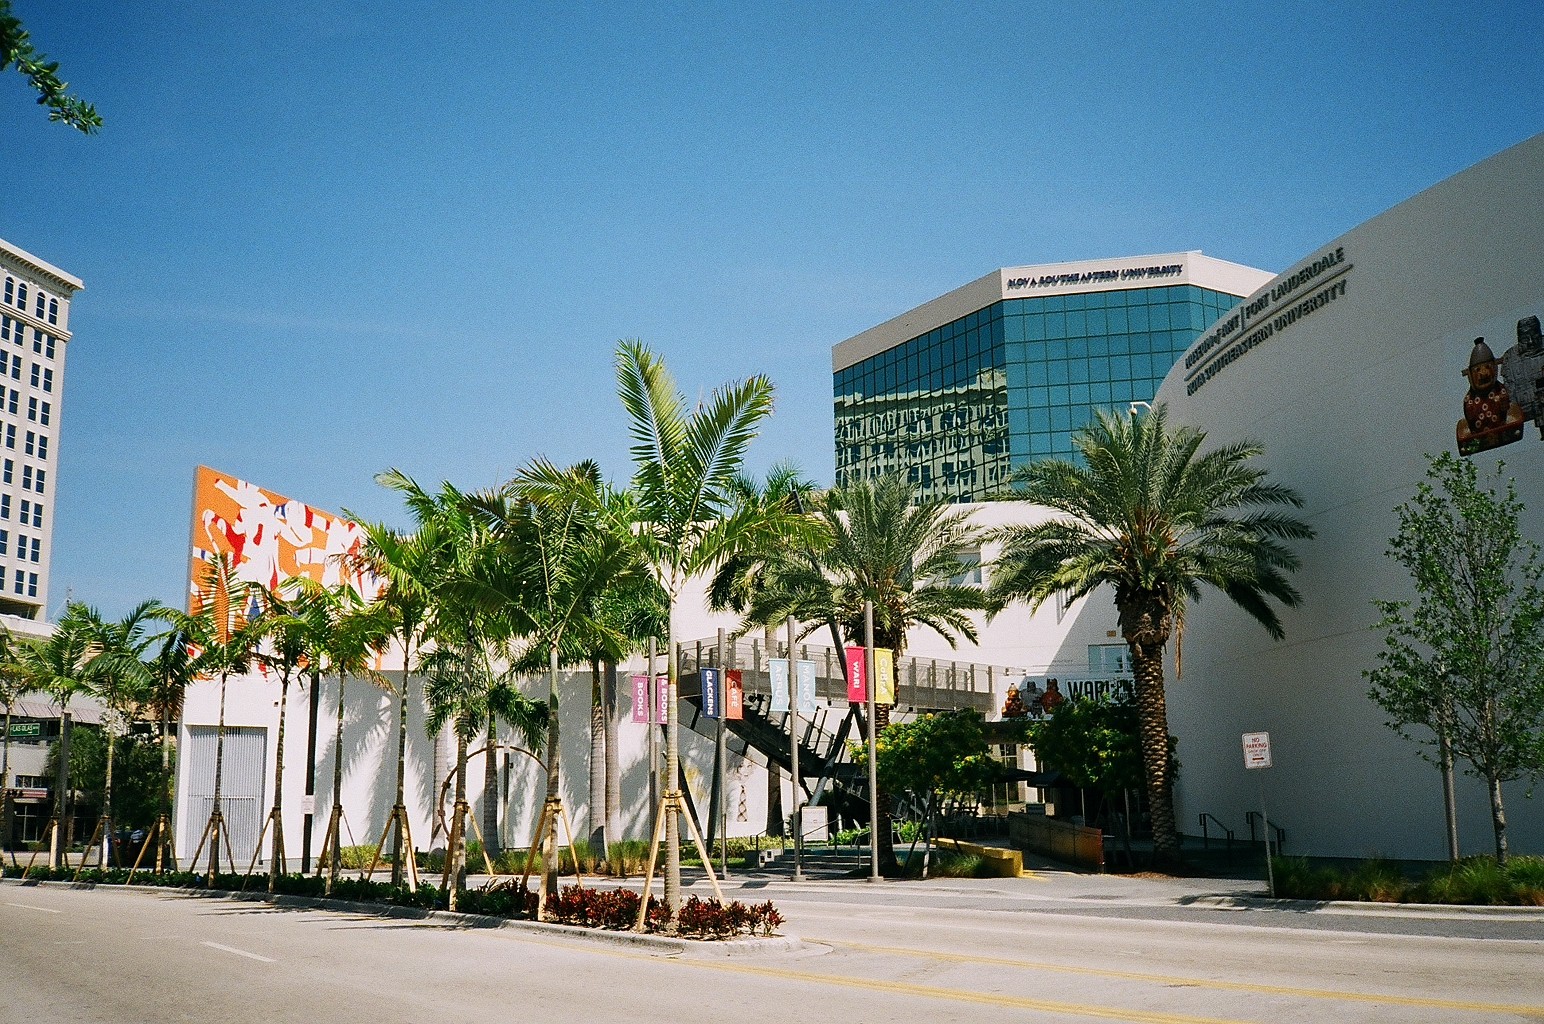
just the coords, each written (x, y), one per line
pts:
(873, 953)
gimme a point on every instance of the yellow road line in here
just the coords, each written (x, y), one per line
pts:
(1162, 979)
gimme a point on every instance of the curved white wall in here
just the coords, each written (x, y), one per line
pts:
(1347, 399)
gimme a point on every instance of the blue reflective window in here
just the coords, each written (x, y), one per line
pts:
(1056, 372)
(1139, 318)
(1076, 347)
(1035, 373)
(1099, 345)
(1099, 392)
(1099, 368)
(1055, 303)
(1096, 321)
(1077, 371)
(1077, 323)
(1034, 328)
(1116, 321)
(1056, 325)
(1037, 396)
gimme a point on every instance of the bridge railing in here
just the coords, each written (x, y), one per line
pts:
(921, 683)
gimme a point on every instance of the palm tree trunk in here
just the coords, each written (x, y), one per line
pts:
(276, 865)
(1153, 717)
(613, 767)
(455, 857)
(400, 808)
(107, 799)
(334, 852)
(672, 772)
(1497, 817)
(219, 769)
(550, 850)
(59, 840)
(492, 842)
(597, 837)
(164, 798)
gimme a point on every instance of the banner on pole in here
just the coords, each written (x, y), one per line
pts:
(777, 668)
(884, 675)
(709, 678)
(734, 695)
(857, 679)
(640, 699)
(662, 690)
(806, 680)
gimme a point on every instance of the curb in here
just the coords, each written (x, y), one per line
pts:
(666, 944)
(1364, 907)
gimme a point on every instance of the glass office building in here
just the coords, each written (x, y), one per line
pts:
(961, 391)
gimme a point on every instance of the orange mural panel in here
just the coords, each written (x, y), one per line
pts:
(271, 538)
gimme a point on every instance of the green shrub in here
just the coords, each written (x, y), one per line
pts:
(358, 858)
(1377, 880)
(1297, 879)
(1473, 880)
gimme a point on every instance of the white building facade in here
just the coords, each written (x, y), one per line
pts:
(35, 301)
(1350, 369)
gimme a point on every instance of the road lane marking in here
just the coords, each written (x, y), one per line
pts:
(28, 906)
(1163, 979)
(239, 952)
(904, 988)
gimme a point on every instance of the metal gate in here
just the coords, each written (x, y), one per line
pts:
(241, 787)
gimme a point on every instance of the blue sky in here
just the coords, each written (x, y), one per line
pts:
(329, 239)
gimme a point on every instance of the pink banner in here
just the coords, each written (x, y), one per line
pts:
(734, 695)
(640, 700)
(857, 678)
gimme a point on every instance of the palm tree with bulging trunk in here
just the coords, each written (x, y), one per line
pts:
(1151, 516)
(883, 545)
(687, 519)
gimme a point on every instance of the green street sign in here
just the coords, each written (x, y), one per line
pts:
(26, 728)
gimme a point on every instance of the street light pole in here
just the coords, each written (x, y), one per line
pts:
(793, 757)
(873, 757)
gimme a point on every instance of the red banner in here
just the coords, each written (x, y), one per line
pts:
(857, 675)
(734, 695)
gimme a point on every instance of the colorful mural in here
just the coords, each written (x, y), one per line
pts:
(270, 537)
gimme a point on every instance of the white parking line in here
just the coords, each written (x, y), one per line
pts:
(28, 906)
(239, 952)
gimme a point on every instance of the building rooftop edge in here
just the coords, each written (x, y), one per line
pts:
(42, 266)
(1234, 278)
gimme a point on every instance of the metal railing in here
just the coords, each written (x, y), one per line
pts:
(1253, 817)
(921, 683)
(1206, 833)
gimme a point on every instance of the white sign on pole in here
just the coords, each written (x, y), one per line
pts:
(308, 805)
(1257, 750)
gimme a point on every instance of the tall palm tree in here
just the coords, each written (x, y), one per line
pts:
(465, 688)
(298, 622)
(556, 551)
(223, 629)
(171, 671)
(626, 615)
(57, 666)
(687, 519)
(1151, 516)
(413, 566)
(884, 546)
(354, 636)
(119, 678)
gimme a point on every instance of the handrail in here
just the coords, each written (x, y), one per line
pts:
(1206, 835)
(1281, 834)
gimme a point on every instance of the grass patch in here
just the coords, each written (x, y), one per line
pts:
(1473, 881)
